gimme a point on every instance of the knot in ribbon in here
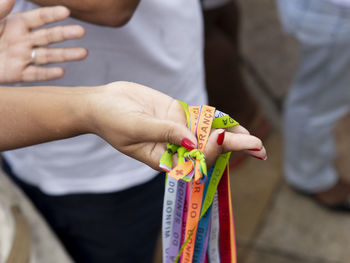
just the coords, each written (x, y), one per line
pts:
(196, 154)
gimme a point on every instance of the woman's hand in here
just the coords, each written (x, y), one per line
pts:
(23, 50)
(138, 121)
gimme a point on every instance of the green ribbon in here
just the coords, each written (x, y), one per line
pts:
(183, 154)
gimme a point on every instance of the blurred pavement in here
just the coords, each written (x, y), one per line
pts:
(274, 224)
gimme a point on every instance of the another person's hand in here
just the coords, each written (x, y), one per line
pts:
(138, 121)
(23, 50)
(6, 7)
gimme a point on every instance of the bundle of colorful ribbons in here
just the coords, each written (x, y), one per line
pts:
(197, 213)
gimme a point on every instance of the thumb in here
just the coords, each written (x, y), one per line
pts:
(168, 131)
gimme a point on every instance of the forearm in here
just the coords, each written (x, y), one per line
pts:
(32, 115)
(106, 12)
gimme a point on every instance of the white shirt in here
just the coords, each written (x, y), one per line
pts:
(341, 2)
(161, 47)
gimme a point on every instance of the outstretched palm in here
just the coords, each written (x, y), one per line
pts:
(18, 40)
(147, 119)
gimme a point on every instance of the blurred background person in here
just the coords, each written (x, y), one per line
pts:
(318, 98)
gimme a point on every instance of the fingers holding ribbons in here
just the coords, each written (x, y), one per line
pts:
(226, 135)
(238, 138)
(196, 195)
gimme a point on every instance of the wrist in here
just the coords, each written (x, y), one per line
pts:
(93, 109)
(83, 104)
(102, 106)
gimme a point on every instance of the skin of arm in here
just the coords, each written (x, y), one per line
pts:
(137, 123)
(114, 13)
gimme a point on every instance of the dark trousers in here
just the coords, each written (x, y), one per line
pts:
(225, 84)
(103, 228)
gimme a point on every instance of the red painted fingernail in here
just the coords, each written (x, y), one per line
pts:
(188, 144)
(260, 158)
(221, 137)
(255, 150)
